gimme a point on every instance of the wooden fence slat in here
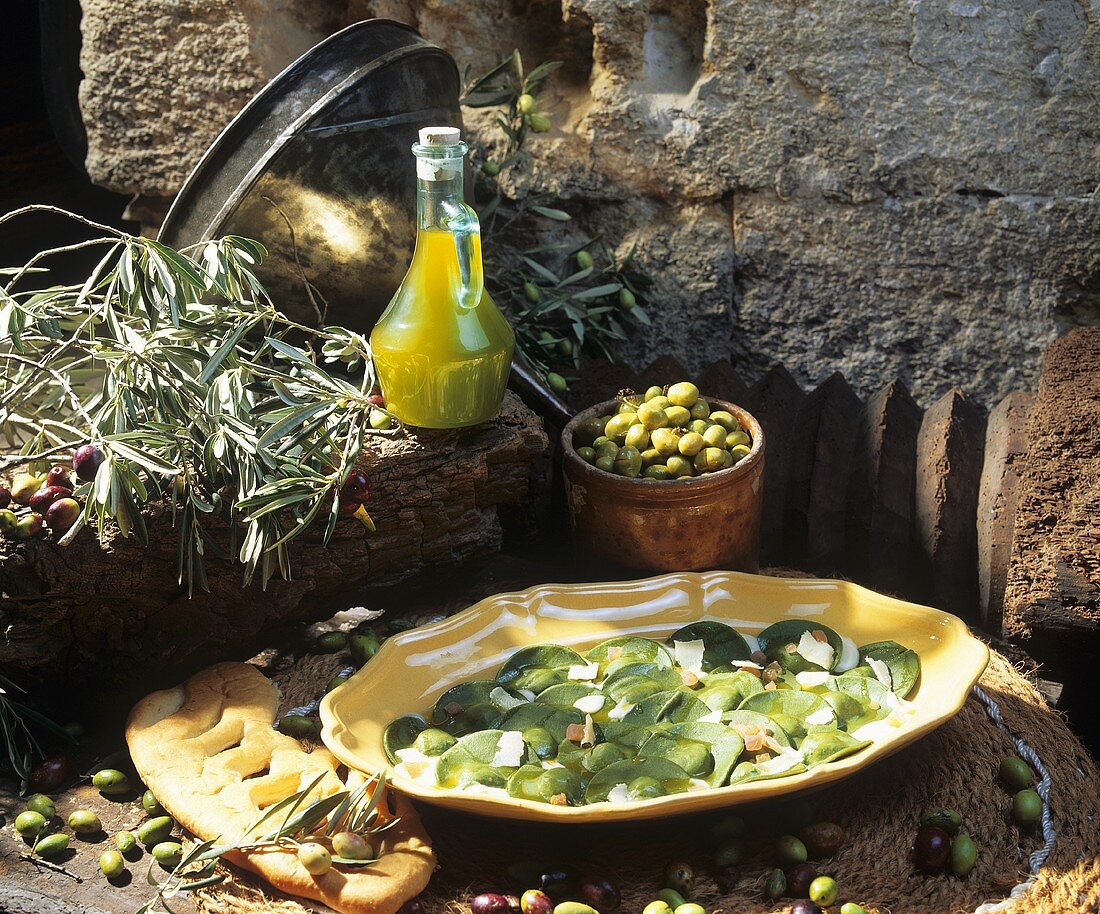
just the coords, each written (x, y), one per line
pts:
(720, 379)
(950, 450)
(880, 518)
(1006, 443)
(774, 401)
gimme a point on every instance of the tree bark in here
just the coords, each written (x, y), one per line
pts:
(114, 617)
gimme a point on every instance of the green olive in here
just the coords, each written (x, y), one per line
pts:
(691, 444)
(565, 348)
(657, 471)
(664, 441)
(824, 890)
(670, 897)
(690, 907)
(588, 431)
(574, 907)
(557, 383)
(698, 426)
(168, 854)
(587, 454)
(352, 846)
(680, 467)
(154, 831)
(526, 103)
(619, 425)
(1027, 808)
(684, 393)
(600, 442)
(607, 464)
(336, 681)
(653, 392)
(331, 642)
(9, 520)
(629, 462)
(627, 299)
(151, 804)
(651, 457)
(315, 859)
(715, 436)
(29, 823)
(726, 419)
(730, 853)
(700, 409)
(657, 907)
(84, 822)
(790, 850)
(660, 400)
(638, 437)
(363, 646)
(776, 886)
(712, 459)
(111, 864)
(110, 782)
(850, 907)
(380, 420)
(944, 819)
(299, 726)
(678, 416)
(1015, 774)
(52, 845)
(607, 449)
(629, 404)
(125, 841)
(738, 437)
(964, 854)
(530, 290)
(584, 260)
(739, 453)
(41, 804)
(652, 416)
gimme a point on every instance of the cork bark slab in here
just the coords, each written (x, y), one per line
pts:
(1053, 582)
(1006, 445)
(821, 465)
(774, 400)
(112, 618)
(949, 464)
(880, 494)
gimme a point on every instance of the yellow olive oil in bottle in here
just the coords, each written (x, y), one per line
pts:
(442, 349)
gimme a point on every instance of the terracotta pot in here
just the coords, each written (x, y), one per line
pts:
(696, 524)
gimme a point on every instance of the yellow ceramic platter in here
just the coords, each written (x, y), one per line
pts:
(415, 667)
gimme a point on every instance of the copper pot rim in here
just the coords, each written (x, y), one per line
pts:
(693, 484)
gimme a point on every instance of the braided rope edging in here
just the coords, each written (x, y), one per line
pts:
(1050, 834)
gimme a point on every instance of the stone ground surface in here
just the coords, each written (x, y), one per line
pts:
(885, 189)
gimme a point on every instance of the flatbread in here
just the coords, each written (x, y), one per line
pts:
(207, 751)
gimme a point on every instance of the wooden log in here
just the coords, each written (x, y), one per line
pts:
(99, 618)
(774, 400)
(821, 465)
(1053, 585)
(950, 448)
(1005, 451)
(879, 549)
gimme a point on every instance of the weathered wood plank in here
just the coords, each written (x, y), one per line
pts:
(880, 517)
(774, 400)
(1053, 584)
(663, 370)
(950, 449)
(821, 465)
(1005, 450)
(720, 379)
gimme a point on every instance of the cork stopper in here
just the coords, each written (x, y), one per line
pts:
(440, 136)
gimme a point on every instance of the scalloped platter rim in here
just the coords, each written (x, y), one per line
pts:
(415, 667)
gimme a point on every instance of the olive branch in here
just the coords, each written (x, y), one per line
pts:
(179, 367)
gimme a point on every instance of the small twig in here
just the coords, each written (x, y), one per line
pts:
(310, 288)
(38, 861)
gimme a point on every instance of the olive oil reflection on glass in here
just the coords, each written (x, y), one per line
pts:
(442, 349)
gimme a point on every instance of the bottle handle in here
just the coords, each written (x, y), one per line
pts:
(462, 223)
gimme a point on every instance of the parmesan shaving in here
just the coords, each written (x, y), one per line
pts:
(820, 717)
(881, 671)
(618, 794)
(820, 653)
(620, 710)
(689, 655)
(510, 749)
(811, 679)
(590, 704)
(584, 671)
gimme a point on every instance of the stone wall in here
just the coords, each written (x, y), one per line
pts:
(904, 188)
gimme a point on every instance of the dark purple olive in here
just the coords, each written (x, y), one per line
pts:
(51, 773)
(62, 514)
(799, 878)
(534, 901)
(822, 839)
(491, 903)
(601, 894)
(349, 506)
(376, 399)
(59, 476)
(356, 488)
(560, 883)
(5, 497)
(86, 461)
(412, 906)
(46, 496)
(930, 850)
(805, 906)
